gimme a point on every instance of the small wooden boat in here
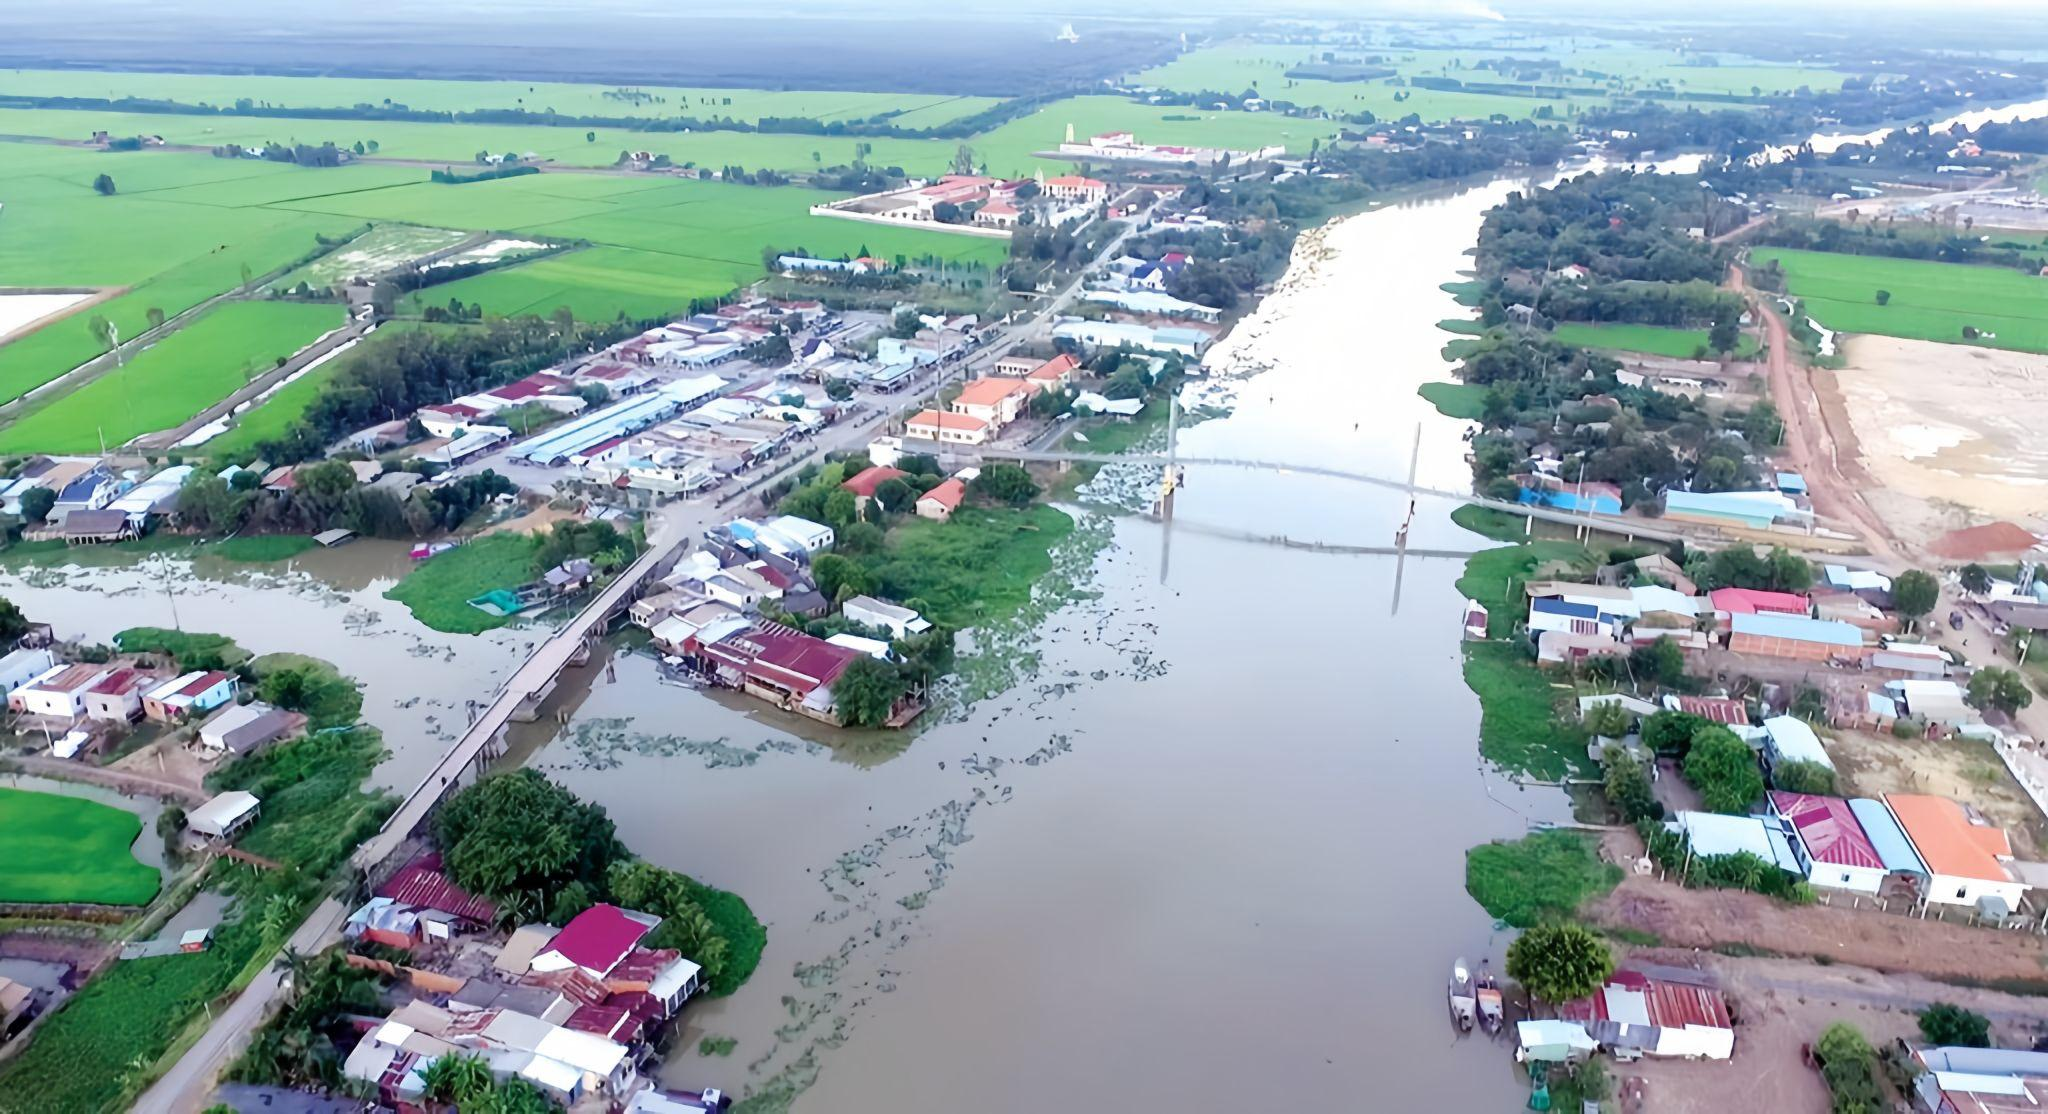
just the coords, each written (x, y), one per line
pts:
(1493, 1016)
(1463, 1005)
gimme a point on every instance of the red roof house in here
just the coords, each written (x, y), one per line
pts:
(423, 884)
(595, 940)
(1755, 601)
(863, 486)
(1678, 1013)
(1828, 830)
(1720, 709)
(941, 501)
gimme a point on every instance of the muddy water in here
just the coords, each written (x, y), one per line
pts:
(1211, 847)
(327, 603)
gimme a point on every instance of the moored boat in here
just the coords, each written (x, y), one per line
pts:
(1463, 1004)
(1493, 1016)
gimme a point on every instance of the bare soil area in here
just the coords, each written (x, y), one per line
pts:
(1948, 432)
(1962, 769)
(1703, 920)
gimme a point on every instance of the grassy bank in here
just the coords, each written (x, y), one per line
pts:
(744, 935)
(213, 651)
(439, 589)
(976, 568)
(1655, 340)
(1455, 400)
(1542, 876)
(1519, 727)
(56, 849)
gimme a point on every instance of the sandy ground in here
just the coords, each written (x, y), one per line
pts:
(1867, 937)
(1948, 432)
(12, 328)
(1962, 769)
(540, 518)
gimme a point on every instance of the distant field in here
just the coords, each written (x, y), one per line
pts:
(268, 420)
(223, 90)
(594, 283)
(55, 231)
(1655, 340)
(1929, 301)
(61, 849)
(1601, 70)
(380, 249)
(172, 380)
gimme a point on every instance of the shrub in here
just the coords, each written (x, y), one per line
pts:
(1722, 768)
(1846, 1064)
(1945, 1023)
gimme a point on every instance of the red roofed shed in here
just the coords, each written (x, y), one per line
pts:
(595, 940)
(422, 883)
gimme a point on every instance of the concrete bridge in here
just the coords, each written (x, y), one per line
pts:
(520, 697)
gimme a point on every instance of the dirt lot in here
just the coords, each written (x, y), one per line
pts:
(1947, 431)
(1867, 937)
(1963, 769)
(1781, 1005)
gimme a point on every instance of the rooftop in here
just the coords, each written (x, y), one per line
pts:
(1828, 828)
(989, 391)
(422, 882)
(1946, 839)
(944, 421)
(1799, 629)
(869, 479)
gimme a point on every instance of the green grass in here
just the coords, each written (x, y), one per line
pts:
(1463, 326)
(1489, 523)
(1656, 340)
(173, 379)
(438, 590)
(1542, 876)
(976, 568)
(1469, 292)
(183, 646)
(1456, 400)
(330, 699)
(1519, 729)
(61, 849)
(744, 935)
(1929, 301)
(271, 418)
(915, 109)
(260, 548)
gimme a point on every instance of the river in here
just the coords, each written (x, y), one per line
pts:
(1208, 853)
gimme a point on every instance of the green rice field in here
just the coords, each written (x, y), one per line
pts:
(269, 419)
(223, 90)
(1929, 301)
(59, 849)
(173, 379)
(1655, 340)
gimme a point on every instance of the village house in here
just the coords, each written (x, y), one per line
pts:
(1789, 739)
(1074, 187)
(1747, 510)
(189, 694)
(1013, 367)
(995, 401)
(788, 668)
(682, 632)
(1054, 373)
(1830, 842)
(947, 428)
(1792, 636)
(899, 621)
(863, 485)
(1713, 834)
(1980, 1081)
(1965, 856)
(1590, 497)
(942, 500)
(224, 817)
(449, 419)
(1656, 568)
(1719, 709)
(420, 904)
(24, 665)
(1669, 1012)
(60, 693)
(1585, 619)
(1729, 602)
(243, 728)
(98, 527)
(117, 698)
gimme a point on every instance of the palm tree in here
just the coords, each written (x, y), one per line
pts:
(296, 966)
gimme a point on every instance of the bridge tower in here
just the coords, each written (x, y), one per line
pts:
(1169, 478)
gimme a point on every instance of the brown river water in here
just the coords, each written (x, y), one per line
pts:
(1205, 854)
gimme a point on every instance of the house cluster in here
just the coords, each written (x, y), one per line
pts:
(81, 708)
(575, 1011)
(1782, 507)
(94, 502)
(1921, 849)
(1643, 1010)
(1138, 288)
(703, 445)
(1124, 147)
(710, 616)
(987, 405)
(978, 204)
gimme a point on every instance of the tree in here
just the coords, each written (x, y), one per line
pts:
(1845, 1059)
(1884, 297)
(2000, 688)
(1723, 769)
(589, 137)
(1670, 734)
(155, 316)
(37, 502)
(1661, 662)
(102, 330)
(1975, 579)
(103, 185)
(945, 212)
(1559, 962)
(1608, 720)
(287, 688)
(457, 1079)
(1803, 776)
(1724, 335)
(895, 496)
(1947, 1024)
(1628, 786)
(1005, 483)
(13, 624)
(867, 691)
(519, 838)
(842, 508)
(685, 926)
(1914, 593)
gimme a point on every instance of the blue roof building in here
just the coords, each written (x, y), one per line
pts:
(1594, 498)
(1797, 628)
(1791, 483)
(1753, 510)
(1893, 848)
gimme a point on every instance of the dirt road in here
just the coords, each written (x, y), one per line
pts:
(121, 781)
(1810, 447)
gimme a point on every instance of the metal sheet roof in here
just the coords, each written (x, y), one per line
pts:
(1799, 629)
(1889, 840)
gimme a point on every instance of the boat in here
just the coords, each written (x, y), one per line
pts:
(1462, 1002)
(1493, 1016)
